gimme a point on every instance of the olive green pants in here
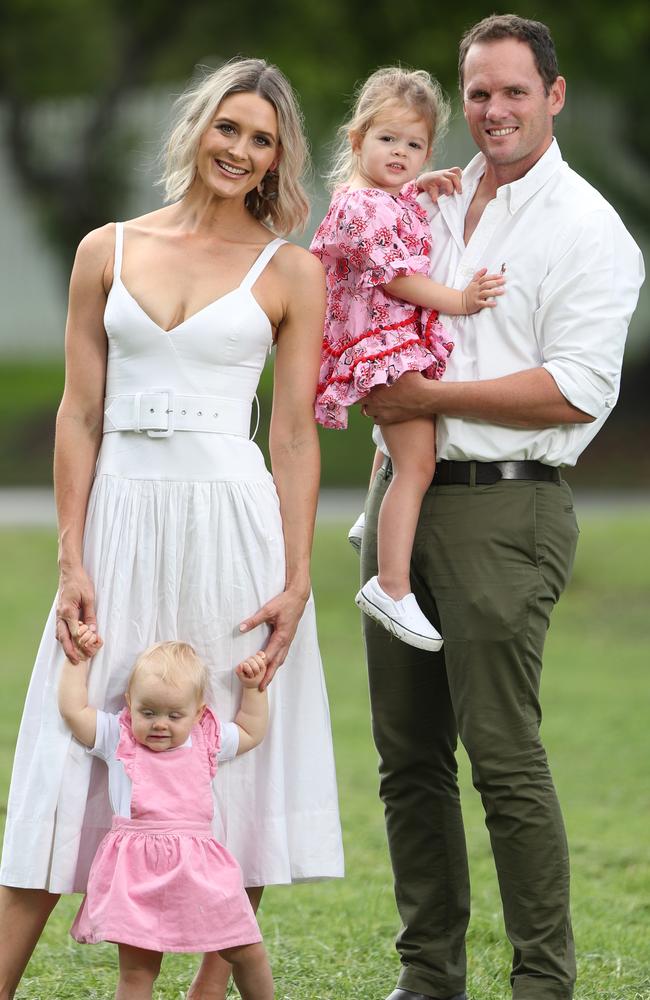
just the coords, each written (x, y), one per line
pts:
(489, 564)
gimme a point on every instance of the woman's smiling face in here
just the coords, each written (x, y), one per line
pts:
(239, 146)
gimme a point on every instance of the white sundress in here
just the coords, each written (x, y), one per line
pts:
(183, 540)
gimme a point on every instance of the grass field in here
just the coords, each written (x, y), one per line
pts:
(333, 941)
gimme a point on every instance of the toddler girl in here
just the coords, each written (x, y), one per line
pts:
(160, 881)
(382, 315)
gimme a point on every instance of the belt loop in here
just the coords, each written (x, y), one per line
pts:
(137, 414)
(257, 422)
(472, 473)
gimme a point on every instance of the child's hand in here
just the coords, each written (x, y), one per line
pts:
(252, 670)
(481, 291)
(86, 641)
(437, 182)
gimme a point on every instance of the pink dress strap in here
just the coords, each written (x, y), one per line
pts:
(210, 730)
(126, 748)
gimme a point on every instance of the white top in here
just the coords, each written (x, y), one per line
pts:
(107, 738)
(573, 275)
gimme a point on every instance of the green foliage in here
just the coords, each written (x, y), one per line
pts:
(104, 49)
(333, 941)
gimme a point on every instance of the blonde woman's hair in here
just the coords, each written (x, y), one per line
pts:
(283, 204)
(386, 89)
(175, 663)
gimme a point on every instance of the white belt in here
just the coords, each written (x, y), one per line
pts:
(160, 412)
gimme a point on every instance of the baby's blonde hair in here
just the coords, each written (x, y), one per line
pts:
(176, 663)
(415, 89)
(283, 203)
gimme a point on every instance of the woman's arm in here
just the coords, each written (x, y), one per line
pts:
(293, 444)
(79, 429)
(253, 715)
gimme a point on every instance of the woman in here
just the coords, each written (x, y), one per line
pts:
(166, 512)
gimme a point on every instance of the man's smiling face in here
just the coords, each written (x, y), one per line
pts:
(508, 111)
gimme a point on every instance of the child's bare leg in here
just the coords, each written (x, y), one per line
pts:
(213, 975)
(412, 450)
(139, 970)
(23, 915)
(251, 971)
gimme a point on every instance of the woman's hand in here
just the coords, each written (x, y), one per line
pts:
(75, 604)
(281, 614)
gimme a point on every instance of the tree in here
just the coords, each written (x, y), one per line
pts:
(103, 49)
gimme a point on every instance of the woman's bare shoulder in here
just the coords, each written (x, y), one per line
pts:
(97, 244)
(294, 261)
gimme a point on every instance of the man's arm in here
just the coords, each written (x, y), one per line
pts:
(585, 304)
(525, 399)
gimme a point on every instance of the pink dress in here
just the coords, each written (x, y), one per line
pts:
(367, 238)
(160, 880)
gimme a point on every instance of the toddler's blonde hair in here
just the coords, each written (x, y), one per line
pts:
(176, 663)
(387, 88)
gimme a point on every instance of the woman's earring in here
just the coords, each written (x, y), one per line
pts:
(268, 186)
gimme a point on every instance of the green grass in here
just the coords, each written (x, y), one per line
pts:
(333, 941)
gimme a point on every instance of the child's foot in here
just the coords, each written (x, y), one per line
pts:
(403, 618)
(355, 534)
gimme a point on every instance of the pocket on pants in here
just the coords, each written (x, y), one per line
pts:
(476, 552)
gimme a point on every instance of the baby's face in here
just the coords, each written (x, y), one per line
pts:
(162, 714)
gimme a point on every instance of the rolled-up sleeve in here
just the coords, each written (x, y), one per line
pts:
(585, 305)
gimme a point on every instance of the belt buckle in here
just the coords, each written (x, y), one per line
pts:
(169, 410)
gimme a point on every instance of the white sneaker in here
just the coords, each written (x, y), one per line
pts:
(403, 618)
(355, 534)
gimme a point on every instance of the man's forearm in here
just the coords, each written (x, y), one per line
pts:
(524, 399)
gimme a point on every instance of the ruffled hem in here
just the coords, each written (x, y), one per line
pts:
(379, 357)
(118, 935)
(211, 730)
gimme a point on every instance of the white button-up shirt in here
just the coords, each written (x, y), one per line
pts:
(573, 275)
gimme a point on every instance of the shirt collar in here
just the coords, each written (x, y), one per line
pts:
(518, 192)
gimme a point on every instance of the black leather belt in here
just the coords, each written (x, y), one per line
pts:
(487, 473)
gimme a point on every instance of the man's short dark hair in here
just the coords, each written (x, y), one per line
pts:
(533, 33)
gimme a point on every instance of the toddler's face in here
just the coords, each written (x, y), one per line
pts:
(394, 149)
(162, 714)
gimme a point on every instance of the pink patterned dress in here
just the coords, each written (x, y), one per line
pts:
(367, 238)
(160, 880)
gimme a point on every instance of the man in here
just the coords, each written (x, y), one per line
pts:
(529, 384)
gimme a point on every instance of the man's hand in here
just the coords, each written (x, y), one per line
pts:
(409, 397)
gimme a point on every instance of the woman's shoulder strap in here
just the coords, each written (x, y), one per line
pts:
(119, 247)
(261, 262)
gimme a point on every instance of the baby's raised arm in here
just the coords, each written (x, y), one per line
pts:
(253, 715)
(73, 690)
